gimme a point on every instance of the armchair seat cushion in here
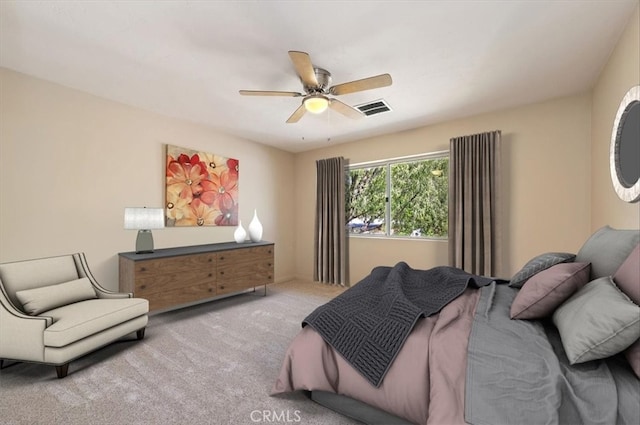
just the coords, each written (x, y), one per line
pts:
(79, 320)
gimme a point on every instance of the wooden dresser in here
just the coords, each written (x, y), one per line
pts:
(171, 277)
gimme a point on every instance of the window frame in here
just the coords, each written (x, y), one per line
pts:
(387, 163)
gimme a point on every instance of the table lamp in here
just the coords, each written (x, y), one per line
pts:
(144, 219)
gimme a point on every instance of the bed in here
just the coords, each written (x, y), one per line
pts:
(559, 343)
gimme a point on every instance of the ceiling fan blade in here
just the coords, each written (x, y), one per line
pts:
(345, 109)
(382, 80)
(304, 68)
(295, 117)
(269, 93)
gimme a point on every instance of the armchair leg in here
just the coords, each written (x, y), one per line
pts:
(140, 333)
(62, 370)
(4, 363)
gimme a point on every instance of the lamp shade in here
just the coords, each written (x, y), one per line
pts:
(316, 103)
(143, 218)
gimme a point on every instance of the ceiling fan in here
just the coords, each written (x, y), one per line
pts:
(316, 83)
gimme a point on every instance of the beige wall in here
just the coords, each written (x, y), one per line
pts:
(70, 163)
(557, 186)
(546, 164)
(620, 74)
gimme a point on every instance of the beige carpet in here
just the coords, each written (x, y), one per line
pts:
(213, 363)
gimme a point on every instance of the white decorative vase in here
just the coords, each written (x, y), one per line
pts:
(255, 228)
(240, 234)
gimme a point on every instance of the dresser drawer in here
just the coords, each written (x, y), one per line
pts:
(181, 263)
(262, 268)
(151, 284)
(161, 300)
(245, 255)
(230, 286)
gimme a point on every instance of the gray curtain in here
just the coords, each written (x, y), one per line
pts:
(474, 203)
(330, 227)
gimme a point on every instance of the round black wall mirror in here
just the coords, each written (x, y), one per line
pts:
(624, 153)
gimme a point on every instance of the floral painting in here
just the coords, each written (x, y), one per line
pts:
(201, 188)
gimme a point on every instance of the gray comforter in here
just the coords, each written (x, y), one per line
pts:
(517, 372)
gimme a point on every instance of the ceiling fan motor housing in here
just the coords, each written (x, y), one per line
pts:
(324, 81)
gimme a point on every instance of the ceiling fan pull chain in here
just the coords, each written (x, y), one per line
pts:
(328, 125)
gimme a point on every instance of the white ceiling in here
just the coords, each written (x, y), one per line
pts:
(188, 59)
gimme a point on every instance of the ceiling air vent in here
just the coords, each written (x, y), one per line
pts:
(373, 108)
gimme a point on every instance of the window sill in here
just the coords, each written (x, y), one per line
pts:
(398, 238)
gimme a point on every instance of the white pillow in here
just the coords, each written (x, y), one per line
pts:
(35, 301)
(598, 321)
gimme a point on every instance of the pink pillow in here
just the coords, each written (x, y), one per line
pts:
(633, 356)
(545, 291)
(627, 277)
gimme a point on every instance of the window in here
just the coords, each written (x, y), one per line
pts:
(402, 197)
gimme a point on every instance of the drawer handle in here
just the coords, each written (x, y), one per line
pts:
(210, 260)
(210, 289)
(269, 264)
(210, 275)
(143, 287)
(221, 272)
(143, 269)
(222, 258)
(222, 287)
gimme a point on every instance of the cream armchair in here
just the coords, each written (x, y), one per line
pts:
(52, 311)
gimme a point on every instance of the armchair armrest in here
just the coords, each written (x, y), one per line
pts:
(21, 335)
(102, 293)
(84, 271)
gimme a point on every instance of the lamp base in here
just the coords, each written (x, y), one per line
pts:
(144, 242)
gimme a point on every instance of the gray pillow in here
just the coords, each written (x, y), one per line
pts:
(598, 321)
(37, 300)
(606, 249)
(538, 264)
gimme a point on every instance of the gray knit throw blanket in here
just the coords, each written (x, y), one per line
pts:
(369, 322)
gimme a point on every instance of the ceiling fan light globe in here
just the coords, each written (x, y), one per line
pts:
(316, 104)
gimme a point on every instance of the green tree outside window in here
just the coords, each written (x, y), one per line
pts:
(399, 198)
